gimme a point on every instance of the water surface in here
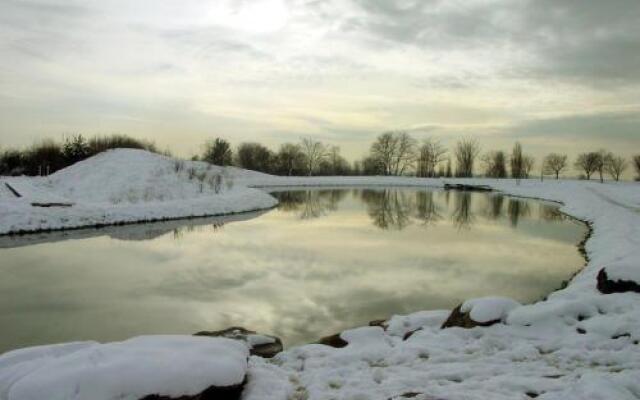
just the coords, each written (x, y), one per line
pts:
(323, 261)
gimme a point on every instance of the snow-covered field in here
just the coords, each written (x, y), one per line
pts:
(577, 344)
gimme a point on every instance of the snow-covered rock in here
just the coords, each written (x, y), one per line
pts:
(620, 277)
(170, 366)
(260, 345)
(484, 311)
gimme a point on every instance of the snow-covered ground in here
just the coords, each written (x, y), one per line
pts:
(577, 344)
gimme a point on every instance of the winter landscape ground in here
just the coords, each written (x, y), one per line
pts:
(582, 342)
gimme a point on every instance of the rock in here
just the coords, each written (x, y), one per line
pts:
(382, 323)
(463, 320)
(616, 283)
(265, 346)
(334, 341)
(211, 393)
(146, 367)
(485, 311)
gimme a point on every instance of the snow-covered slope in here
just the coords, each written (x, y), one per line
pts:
(126, 185)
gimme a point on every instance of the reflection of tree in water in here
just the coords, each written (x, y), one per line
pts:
(462, 216)
(310, 203)
(178, 233)
(551, 213)
(389, 209)
(494, 206)
(427, 209)
(517, 209)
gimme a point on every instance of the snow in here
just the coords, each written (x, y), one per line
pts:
(488, 309)
(164, 365)
(626, 270)
(576, 344)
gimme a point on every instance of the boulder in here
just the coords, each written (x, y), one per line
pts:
(233, 392)
(484, 311)
(618, 279)
(265, 346)
(160, 367)
(334, 341)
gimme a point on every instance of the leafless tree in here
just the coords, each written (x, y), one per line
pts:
(528, 162)
(495, 164)
(430, 155)
(314, 152)
(588, 163)
(615, 165)
(601, 163)
(448, 173)
(517, 162)
(636, 165)
(466, 152)
(555, 163)
(394, 152)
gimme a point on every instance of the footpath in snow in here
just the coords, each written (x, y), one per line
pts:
(582, 342)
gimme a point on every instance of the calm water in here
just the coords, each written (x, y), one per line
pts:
(325, 260)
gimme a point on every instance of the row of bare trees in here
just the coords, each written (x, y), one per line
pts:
(309, 157)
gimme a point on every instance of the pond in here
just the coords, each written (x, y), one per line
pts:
(323, 261)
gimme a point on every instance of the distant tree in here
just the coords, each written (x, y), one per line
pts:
(394, 152)
(44, 158)
(314, 153)
(555, 163)
(601, 163)
(75, 148)
(335, 163)
(615, 165)
(636, 165)
(12, 162)
(372, 166)
(430, 155)
(495, 164)
(98, 144)
(528, 162)
(255, 157)
(517, 162)
(466, 152)
(290, 159)
(448, 173)
(218, 152)
(588, 163)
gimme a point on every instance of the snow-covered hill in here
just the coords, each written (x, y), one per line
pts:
(126, 185)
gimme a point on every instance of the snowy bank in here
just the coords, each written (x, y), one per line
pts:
(579, 343)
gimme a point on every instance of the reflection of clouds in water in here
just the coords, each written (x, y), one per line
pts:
(297, 278)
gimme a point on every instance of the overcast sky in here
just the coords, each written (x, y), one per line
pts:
(553, 74)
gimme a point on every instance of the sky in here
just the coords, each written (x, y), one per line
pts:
(556, 75)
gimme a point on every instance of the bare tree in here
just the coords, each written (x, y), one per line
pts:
(448, 173)
(314, 152)
(528, 162)
(588, 163)
(636, 165)
(601, 163)
(495, 164)
(615, 165)
(555, 163)
(394, 152)
(430, 155)
(517, 162)
(466, 152)
(405, 153)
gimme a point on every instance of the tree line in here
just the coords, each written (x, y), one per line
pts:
(393, 153)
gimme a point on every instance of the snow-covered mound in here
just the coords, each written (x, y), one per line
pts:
(127, 185)
(170, 366)
(131, 176)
